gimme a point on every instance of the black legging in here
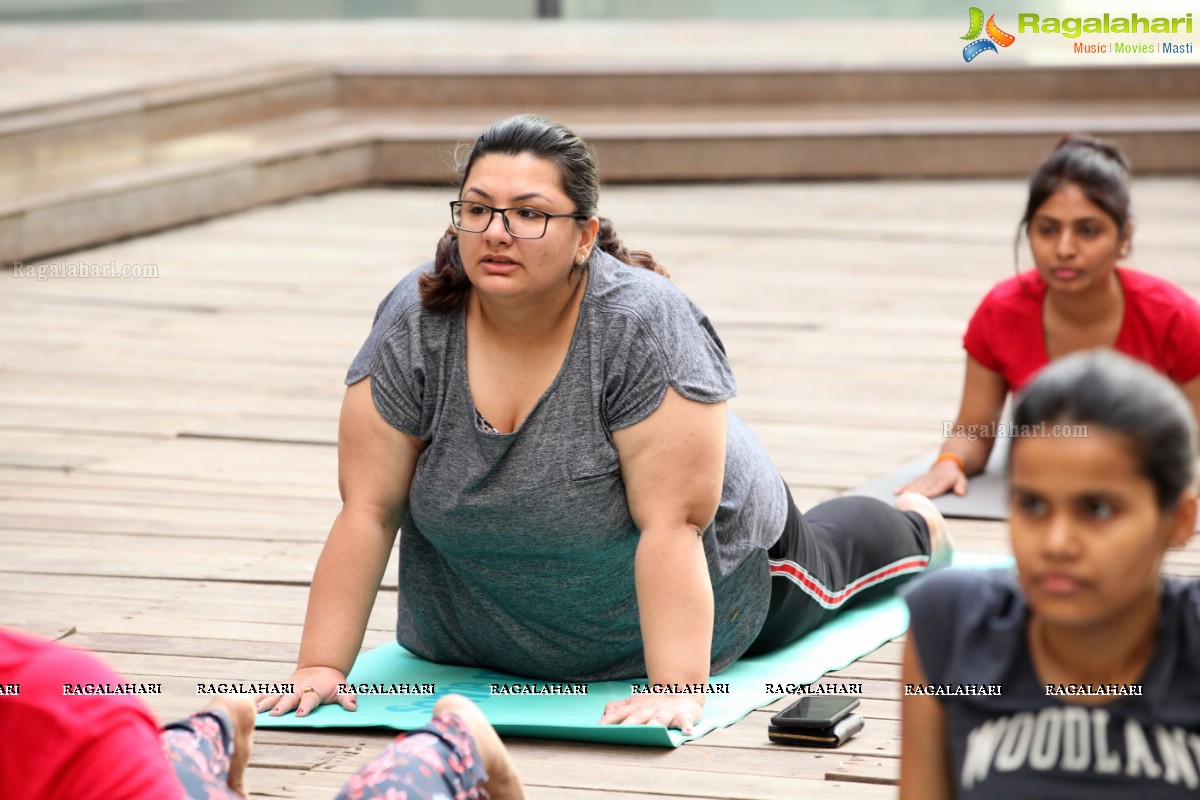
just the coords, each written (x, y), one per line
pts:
(843, 552)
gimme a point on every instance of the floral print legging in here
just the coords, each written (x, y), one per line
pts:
(437, 762)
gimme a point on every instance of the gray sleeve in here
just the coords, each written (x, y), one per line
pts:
(677, 346)
(966, 624)
(393, 357)
(932, 605)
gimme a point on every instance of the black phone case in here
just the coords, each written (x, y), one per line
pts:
(781, 722)
(834, 736)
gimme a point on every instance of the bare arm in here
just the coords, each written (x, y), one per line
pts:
(970, 438)
(375, 467)
(1191, 390)
(673, 466)
(924, 759)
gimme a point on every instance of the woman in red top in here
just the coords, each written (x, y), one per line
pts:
(98, 743)
(1078, 223)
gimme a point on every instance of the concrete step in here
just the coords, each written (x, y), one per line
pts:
(76, 174)
(626, 83)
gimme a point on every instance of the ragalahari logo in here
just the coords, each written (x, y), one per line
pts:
(995, 36)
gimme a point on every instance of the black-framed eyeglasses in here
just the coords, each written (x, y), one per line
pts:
(521, 223)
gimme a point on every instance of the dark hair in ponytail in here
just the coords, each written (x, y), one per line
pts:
(1114, 392)
(1096, 166)
(606, 240)
(446, 287)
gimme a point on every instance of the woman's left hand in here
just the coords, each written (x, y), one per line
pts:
(670, 710)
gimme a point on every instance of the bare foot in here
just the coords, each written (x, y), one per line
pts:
(503, 782)
(242, 714)
(940, 544)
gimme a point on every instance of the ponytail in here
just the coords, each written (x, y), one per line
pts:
(446, 287)
(606, 240)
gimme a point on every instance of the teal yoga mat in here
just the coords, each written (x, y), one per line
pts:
(850, 636)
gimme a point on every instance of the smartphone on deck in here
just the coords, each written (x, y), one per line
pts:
(815, 712)
(834, 736)
(816, 722)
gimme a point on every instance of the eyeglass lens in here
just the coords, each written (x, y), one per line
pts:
(526, 223)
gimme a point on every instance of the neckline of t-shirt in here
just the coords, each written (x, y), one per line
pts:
(461, 358)
(1045, 290)
(1153, 664)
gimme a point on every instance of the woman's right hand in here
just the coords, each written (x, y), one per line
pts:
(943, 476)
(375, 467)
(314, 686)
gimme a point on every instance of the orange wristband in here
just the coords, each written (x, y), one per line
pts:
(955, 457)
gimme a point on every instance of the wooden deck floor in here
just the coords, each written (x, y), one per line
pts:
(167, 445)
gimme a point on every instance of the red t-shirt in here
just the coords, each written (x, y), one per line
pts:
(1161, 327)
(77, 747)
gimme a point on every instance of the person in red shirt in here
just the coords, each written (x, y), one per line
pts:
(78, 746)
(1076, 297)
(70, 731)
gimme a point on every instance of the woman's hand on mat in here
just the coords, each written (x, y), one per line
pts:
(313, 686)
(944, 476)
(670, 710)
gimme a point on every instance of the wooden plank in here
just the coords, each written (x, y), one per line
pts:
(141, 522)
(211, 490)
(863, 769)
(133, 619)
(154, 556)
(136, 498)
(559, 772)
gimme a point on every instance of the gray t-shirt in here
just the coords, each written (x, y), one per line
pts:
(970, 631)
(517, 549)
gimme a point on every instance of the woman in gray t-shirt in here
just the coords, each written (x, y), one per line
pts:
(543, 414)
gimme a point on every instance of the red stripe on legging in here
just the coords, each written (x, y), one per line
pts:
(795, 572)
